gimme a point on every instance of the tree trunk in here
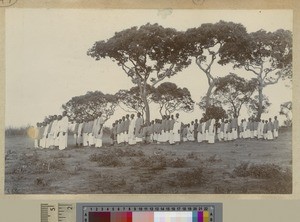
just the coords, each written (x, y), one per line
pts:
(147, 108)
(260, 99)
(208, 93)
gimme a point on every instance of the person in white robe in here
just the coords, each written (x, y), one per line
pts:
(131, 136)
(171, 134)
(226, 130)
(36, 135)
(276, 127)
(91, 137)
(199, 131)
(270, 129)
(53, 133)
(57, 131)
(79, 140)
(207, 124)
(126, 129)
(246, 129)
(265, 129)
(190, 134)
(63, 131)
(99, 131)
(85, 131)
(229, 131)
(203, 131)
(177, 129)
(242, 129)
(45, 134)
(185, 132)
(211, 131)
(139, 122)
(259, 131)
(255, 128)
(119, 130)
(75, 131)
(221, 134)
(234, 128)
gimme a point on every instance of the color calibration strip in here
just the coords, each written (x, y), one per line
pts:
(192, 216)
(149, 213)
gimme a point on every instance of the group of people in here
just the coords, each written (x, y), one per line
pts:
(53, 132)
(131, 130)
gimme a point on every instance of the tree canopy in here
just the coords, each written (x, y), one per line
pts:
(90, 105)
(234, 91)
(147, 55)
(211, 43)
(172, 98)
(268, 55)
(130, 100)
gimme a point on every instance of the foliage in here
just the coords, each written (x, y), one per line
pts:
(211, 43)
(253, 105)
(16, 131)
(193, 177)
(171, 98)
(286, 109)
(234, 91)
(213, 102)
(268, 55)
(215, 112)
(147, 55)
(156, 162)
(131, 99)
(90, 105)
(109, 159)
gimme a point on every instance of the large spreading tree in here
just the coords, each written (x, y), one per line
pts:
(90, 105)
(234, 91)
(268, 55)
(209, 44)
(147, 55)
(171, 98)
(131, 101)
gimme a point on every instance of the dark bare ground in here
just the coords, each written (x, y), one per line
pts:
(185, 168)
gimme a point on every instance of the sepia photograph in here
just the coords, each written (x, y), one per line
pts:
(145, 101)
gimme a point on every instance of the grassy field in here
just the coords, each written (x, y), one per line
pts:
(247, 167)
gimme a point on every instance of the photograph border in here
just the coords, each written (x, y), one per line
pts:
(187, 4)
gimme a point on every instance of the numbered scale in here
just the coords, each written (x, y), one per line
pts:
(94, 212)
(58, 212)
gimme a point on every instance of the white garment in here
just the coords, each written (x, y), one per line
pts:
(199, 137)
(176, 130)
(171, 137)
(131, 136)
(234, 134)
(270, 135)
(275, 133)
(211, 132)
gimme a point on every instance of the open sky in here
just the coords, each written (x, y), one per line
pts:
(46, 61)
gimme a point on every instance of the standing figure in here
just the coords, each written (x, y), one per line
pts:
(138, 128)
(276, 127)
(177, 129)
(99, 131)
(131, 136)
(211, 130)
(270, 128)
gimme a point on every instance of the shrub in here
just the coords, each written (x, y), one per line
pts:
(106, 159)
(188, 178)
(178, 162)
(156, 162)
